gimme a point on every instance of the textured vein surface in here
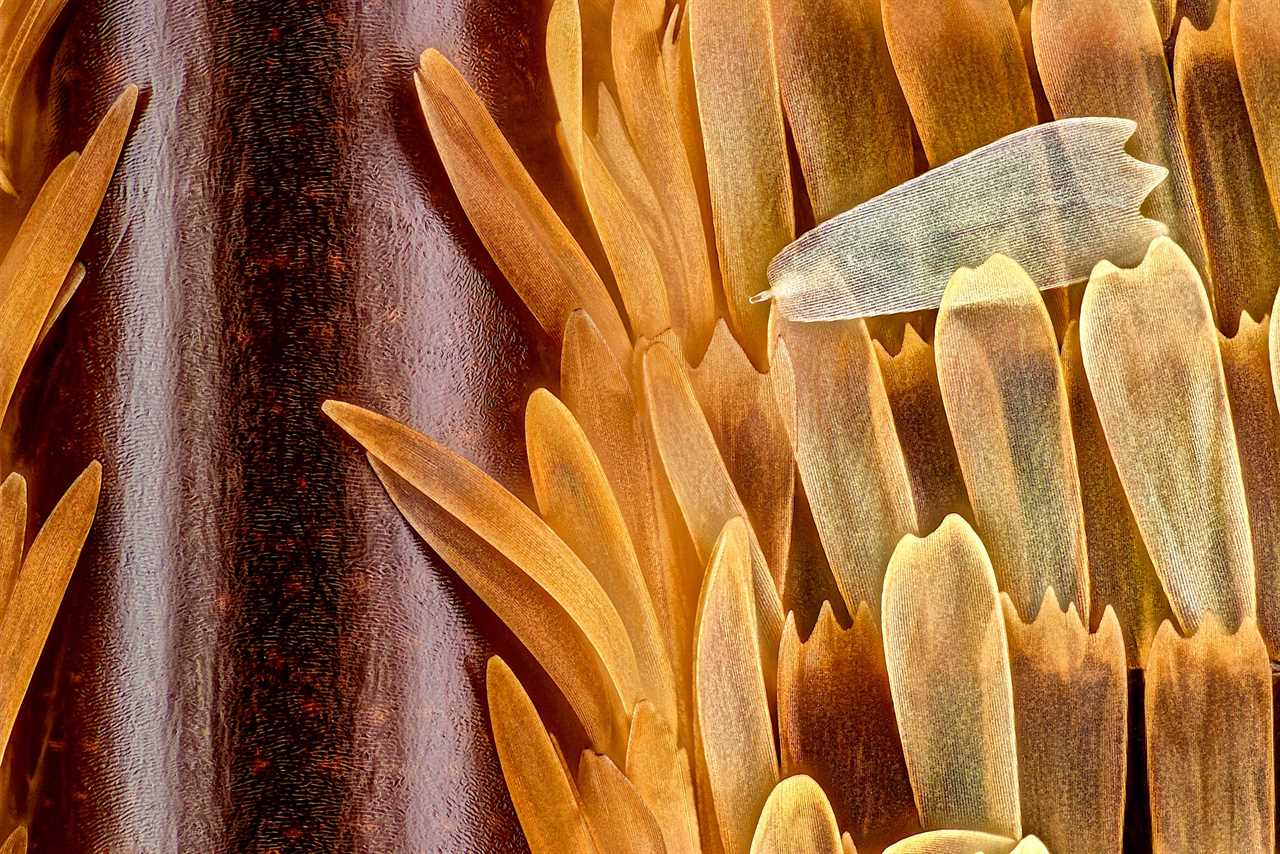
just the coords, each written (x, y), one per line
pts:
(254, 642)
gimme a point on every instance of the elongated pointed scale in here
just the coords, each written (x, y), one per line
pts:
(599, 394)
(44, 250)
(1151, 354)
(551, 600)
(850, 148)
(1255, 36)
(1006, 401)
(1257, 422)
(847, 452)
(677, 58)
(1166, 13)
(13, 532)
(557, 643)
(635, 267)
(514, 220)
(541, 790)
(25, 35)
(733, 710)
(702, 485)
(43, 579)
(1055, 198)
(619, 818)
(618, 151)
(17, 841)
(564, 68)
(797, 819)
(648, 105)
(661, 773)
(1242, 238)
(747, 170)
(948, 668)
(750, 430)
(65, 292)
(1031, 845)
(575, 499)
(1274, 345)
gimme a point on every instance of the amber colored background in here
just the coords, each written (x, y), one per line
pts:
(256, 653)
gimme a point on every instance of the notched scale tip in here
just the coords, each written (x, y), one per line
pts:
(913, 346)
(1050, 608)
(1144, 177)
(827, 627)
(1053, 198)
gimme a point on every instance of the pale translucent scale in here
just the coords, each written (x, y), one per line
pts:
(1056, 198)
